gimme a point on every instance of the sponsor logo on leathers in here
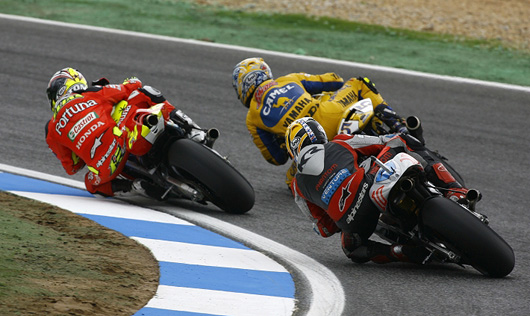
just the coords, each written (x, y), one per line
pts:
(87, 133)
(97, 143)
(345, 195)
(69, 113)
(107, 154)
(358, 203)
(81, 124)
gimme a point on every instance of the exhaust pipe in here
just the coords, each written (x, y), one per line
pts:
(406, 185)
(150, 120)
(413, 123)
(414, 126)
(211, 136)
(473, 196)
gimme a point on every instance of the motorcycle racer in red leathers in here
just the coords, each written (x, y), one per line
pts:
(90, 127)
(333, 179)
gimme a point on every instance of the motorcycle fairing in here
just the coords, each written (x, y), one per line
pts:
(387, 176)
(356, 117)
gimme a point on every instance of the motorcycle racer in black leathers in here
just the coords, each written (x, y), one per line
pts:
(332, 182)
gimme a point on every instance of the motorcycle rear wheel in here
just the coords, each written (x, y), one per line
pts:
(225, 187)
(465, 234)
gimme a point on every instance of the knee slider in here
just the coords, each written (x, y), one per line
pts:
(350, 242)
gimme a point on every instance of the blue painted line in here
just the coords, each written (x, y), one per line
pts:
(11, 182)
(227, 279)
(165, 231)
(149, 311)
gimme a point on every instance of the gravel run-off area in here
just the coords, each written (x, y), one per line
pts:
(505, 20)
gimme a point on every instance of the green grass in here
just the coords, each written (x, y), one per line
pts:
(31, 253)
(22, 242)
(323, 37)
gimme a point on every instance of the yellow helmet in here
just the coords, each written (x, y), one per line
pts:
(302, 132)
(63, 83)
(247, 76)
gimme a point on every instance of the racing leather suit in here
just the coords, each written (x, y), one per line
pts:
(278, 102)
(333, 180)
(93, 128)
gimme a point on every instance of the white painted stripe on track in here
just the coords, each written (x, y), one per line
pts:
(220, 302)
(263, 51)
(328, 294)
(103, 207)
(163, 250)
(204, 255)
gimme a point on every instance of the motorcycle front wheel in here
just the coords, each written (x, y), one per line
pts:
(465, 234)
(217, 179)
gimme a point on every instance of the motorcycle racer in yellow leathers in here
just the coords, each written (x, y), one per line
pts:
(274, 103)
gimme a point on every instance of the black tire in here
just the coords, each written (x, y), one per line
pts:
(226, 187)
(477, 243)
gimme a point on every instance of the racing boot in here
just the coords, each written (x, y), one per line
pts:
(409, 253)
(382, 253)
(128, 188)
(121, 188)
(351, 245)
(147, 189)
(194, 132)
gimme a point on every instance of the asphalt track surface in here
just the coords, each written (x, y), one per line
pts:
(481, 128)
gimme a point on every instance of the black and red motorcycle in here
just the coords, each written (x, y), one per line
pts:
(415, 212)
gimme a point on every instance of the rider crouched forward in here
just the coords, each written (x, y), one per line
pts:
(333, 181)
(93, 126)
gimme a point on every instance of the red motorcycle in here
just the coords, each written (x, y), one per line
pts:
(183, 164)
